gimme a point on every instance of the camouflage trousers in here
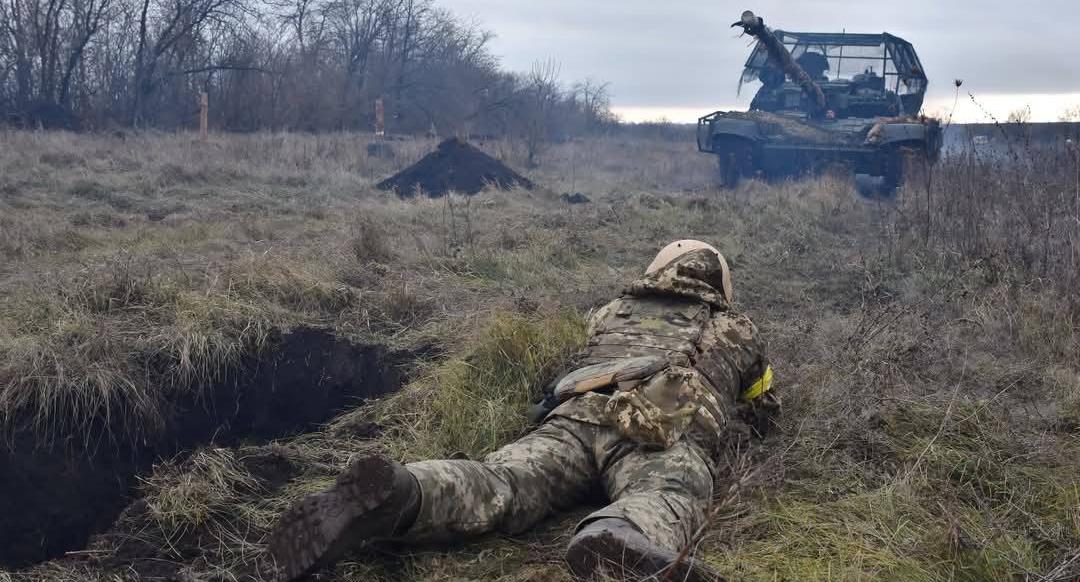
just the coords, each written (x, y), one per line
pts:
(664, 493)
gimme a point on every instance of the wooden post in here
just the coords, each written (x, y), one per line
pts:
(380, 118)
(204, 116)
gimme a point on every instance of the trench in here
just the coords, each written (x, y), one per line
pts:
(53, 499)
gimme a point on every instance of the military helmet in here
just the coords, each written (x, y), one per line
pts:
(673, 251)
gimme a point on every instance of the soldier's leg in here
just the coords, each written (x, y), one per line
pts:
(377, 498)
(659, 499)
(663, 493)
(511, 490)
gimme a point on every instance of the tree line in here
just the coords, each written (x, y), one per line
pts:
(301, 65)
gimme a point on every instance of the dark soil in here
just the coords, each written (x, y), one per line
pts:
(145, 557)
(575, 198)
(455, 166)
(52, 499)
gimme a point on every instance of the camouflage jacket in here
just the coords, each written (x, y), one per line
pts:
(715, 369)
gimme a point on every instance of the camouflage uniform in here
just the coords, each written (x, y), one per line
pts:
(647, 442)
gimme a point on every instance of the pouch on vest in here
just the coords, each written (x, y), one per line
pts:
(660, 410)
(620, 373)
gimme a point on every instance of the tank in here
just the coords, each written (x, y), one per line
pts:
(825, 101)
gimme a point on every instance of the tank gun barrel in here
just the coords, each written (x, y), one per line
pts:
(755, 26)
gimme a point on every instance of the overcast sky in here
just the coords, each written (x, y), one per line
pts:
(678, 58)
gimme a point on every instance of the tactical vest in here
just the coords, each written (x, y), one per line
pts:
(664, 327)
(668, 327)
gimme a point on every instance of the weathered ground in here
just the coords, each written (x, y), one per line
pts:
(927, 350)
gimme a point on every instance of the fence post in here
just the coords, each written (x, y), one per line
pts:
(380, 118)
(204, 116)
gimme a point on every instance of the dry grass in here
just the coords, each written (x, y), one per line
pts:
(932, 384)
(472, 405)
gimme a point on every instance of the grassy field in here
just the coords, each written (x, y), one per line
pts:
(927, 348)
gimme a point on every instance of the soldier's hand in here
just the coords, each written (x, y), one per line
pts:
(761, 413)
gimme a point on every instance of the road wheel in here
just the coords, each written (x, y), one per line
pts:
(892, 172)
(898, 160)
(836, 169)
(735, 160)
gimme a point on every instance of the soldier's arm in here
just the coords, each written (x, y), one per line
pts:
(734, 339)
(759, 402)
(757, 377)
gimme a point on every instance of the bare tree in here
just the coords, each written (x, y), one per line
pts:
(42, 43)
(595, 101)
(539, 95)
(1021, 115)
(168, 32)
(282, 64)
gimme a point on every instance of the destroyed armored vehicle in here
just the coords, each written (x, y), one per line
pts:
(826, 100)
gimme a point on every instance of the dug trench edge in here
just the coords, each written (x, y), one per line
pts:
(52, 499)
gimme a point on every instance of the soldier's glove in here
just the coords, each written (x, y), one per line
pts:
(761, 413)
(539, 411)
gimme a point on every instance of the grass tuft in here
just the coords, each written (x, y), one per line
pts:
(474, 403)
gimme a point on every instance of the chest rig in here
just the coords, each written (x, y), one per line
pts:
(658, 408)
(666, 327)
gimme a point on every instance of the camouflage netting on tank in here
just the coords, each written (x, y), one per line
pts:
(455, 166)
(781, 127)
(775, 128)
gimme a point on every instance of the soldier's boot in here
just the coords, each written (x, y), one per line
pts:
(614, 547)
(374, 499)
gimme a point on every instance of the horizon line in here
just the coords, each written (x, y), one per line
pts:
(1040, 107)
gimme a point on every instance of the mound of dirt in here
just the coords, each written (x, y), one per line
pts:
(575, 198)
(455, 166)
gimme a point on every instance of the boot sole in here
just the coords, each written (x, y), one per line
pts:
(603, 552)
(312, 533)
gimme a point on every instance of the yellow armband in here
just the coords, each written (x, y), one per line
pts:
(760, 387)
